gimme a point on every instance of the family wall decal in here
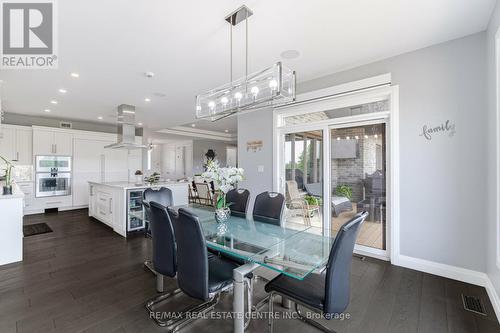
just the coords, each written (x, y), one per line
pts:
(448, 127)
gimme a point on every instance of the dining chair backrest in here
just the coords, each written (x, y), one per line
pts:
(192, 260)
(163, 239)
(238, 201)
(204, 192)
(338, 271)
(163, 196)
(268, 207)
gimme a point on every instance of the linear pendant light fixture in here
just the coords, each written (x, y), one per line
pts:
(272, 86)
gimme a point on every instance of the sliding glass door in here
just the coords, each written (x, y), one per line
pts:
(303, 178)
(358, 180)
(332, 162)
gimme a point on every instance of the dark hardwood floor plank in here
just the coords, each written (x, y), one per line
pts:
(433, 318)
(459, 320)
(85, 278)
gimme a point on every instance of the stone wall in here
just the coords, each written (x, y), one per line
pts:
(351, 171)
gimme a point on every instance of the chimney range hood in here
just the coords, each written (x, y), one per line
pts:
(126, 129)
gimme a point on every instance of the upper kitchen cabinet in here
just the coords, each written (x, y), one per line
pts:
(52, 142)
(24, 146)
(8, 143)
(16, 144)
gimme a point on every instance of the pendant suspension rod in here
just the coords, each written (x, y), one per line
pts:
(231, 53)
(246, 46)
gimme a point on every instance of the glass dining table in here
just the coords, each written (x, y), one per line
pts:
(295, 250)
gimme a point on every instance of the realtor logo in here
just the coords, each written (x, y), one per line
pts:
(28, 34)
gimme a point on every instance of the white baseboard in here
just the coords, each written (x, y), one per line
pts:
(455, 273)
(494, 297)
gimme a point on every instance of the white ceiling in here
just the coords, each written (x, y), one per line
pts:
(186, 44)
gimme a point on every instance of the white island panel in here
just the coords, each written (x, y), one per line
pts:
(11, 226)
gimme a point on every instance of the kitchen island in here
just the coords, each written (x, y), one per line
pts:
(119, 205)
(11, 226)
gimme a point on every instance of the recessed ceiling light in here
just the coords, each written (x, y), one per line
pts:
(193, 125)
(290, 54)
(147, 99)
(139, 124)
(149, 74)
(100, 118)
(227, 131)
(75, 75)
(53, 102)
(46, 110)
(63, 91)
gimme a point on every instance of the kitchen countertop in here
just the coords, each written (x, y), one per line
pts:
(16, 192)
(131, 186)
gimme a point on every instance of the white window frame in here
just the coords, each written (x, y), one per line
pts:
(497, 141)
(353, 93)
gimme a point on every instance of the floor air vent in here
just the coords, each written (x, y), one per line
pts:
(473, 304)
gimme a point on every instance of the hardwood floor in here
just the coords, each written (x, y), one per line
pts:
(85, 278)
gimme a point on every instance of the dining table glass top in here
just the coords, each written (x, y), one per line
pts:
(295, 250)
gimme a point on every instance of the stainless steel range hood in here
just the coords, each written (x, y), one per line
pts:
(126, 129)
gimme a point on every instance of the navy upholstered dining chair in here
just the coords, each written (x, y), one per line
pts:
(327, 293)
(162, 196)
(268, 207)
(238, 201)
(164, 254)
(200, 275)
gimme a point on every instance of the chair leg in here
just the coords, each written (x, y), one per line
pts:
(311, 322)
(271, 311)
(200, 309)
(148, 264)
(158, 299)
(159, 283)
(263, 301)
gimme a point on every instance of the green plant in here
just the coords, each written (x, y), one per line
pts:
(8, 171)
(313, 201)
(344, 191)
(154, 178)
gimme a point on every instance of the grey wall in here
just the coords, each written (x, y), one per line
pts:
(443, 192)
(257, 125)
(200, 147)
(493, 126)
(25, 120)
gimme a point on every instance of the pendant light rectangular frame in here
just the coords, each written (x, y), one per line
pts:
(273, 86)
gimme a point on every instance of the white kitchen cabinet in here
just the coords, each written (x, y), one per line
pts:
(63, 143)
(104, 207)
(8, 143)
(92, 162)
(28, 190)
(52, 142)
(43, 142)
(16, 144)
(115, 165)
(24, 146)
(88, 158)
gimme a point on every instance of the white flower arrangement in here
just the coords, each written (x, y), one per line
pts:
(224, 178)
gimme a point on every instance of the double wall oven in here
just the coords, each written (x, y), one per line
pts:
(53, 176)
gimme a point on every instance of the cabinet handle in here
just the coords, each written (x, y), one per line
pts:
(55, 148)
(17, 156)
(102, 199)
(111, 206)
